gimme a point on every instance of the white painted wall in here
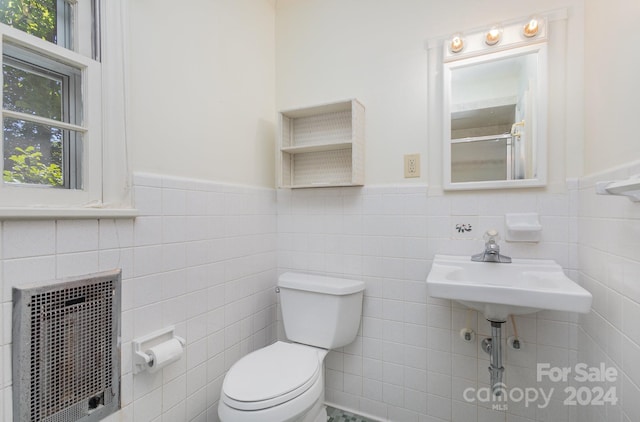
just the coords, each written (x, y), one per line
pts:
(331, 49)
(201, 85)
(612, 66)
(328, 50)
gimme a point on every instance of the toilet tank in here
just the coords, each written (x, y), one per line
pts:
(320, 311)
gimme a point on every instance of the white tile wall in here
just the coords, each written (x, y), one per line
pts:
(409, 363)
(205, 257)
(609, 255)
(201, 256)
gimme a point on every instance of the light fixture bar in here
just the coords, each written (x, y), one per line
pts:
(496, 38)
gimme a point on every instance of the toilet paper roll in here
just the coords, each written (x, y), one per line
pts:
(164, 353)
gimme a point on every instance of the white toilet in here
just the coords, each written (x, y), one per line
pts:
(285, 381)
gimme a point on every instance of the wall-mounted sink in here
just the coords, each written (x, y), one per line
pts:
(498, 290)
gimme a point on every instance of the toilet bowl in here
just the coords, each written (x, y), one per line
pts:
(285, 380)
(281, 382)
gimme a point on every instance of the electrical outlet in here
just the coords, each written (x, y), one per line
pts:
(412, 165)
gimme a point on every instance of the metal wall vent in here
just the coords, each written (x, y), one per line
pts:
(66, 354)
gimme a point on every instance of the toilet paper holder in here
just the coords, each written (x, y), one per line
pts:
(141, 359)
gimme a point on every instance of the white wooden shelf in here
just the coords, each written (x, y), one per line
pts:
(317, 147)
(321, 146)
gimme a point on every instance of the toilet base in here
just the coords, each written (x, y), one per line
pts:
(317, 413)
(322, 416)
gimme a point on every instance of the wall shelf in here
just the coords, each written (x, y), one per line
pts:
(321, 146)
(317, 147)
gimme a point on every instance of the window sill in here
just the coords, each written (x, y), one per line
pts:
(27, 213)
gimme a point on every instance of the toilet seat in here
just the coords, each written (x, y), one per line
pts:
(271, 376)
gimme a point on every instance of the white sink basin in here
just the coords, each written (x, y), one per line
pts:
(498, 290)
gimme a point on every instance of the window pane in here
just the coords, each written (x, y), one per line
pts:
(33, 153)
(33, 93)
(69, 24)
(36, 17)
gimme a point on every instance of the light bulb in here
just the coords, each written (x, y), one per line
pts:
(531, 28)
(493, 36)
(457, 43)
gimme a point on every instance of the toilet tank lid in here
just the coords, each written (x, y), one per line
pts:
(320, 284)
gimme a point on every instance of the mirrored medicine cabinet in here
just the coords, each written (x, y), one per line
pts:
(494, 109)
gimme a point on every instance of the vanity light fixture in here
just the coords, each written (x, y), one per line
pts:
(457, 43)
(497, 35)
(493, 36)
(531, 28)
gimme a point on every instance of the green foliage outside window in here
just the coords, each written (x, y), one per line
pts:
(36, 17)
(32, 152)
(29, 168)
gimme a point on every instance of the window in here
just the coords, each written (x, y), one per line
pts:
(52, 102)
(42, 105)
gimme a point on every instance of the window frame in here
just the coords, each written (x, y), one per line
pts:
(90, 126)
(106, 175)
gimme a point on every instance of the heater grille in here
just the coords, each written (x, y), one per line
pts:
(66, 359)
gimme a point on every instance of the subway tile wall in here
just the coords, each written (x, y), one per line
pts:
(609, 254)
(408, 362)
(201, 256)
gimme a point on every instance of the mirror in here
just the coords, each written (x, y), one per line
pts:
(495, 119)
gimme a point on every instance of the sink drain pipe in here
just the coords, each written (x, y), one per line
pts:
(493, 346)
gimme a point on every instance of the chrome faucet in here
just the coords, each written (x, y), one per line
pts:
(491, 251)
